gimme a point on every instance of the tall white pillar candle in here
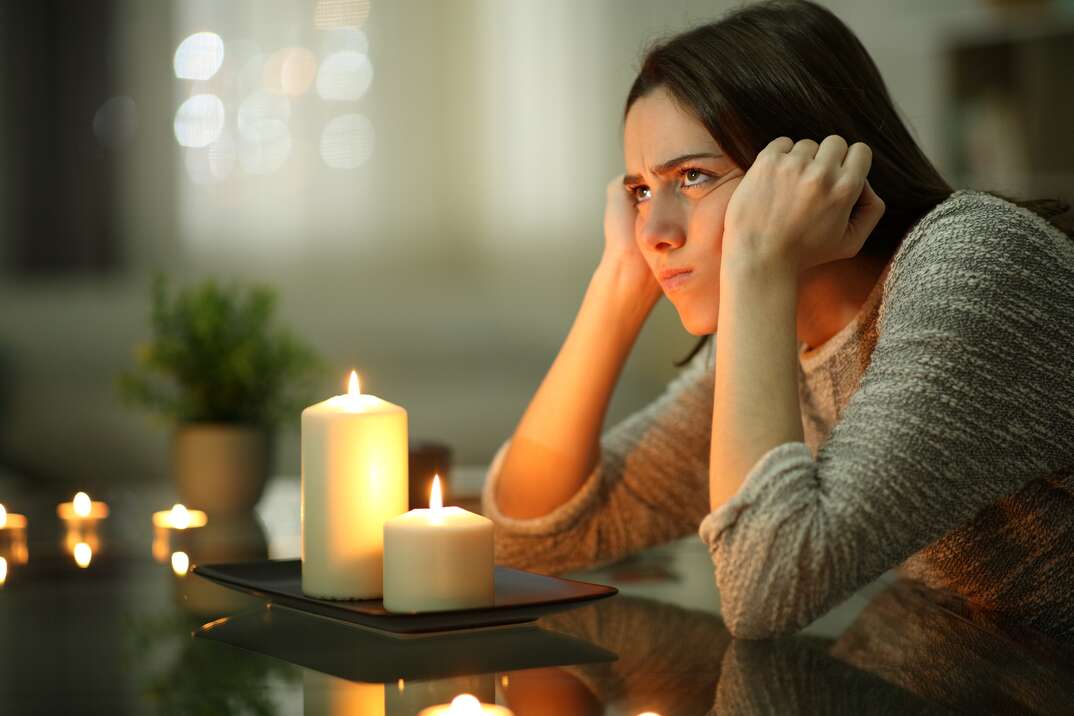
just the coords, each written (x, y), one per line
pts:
(354, 478)
(438, 559)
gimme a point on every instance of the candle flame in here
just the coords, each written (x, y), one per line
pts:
(82, 504)
(465, 705)
(3, 571)
(436, 499)
(180, 563)
(353, 387)
(179, 516)
(401, 685)
(83, 554)
(3, 516)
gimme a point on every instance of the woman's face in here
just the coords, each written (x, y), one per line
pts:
(681, 183)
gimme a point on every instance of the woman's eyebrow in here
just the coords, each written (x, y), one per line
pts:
(669, 165)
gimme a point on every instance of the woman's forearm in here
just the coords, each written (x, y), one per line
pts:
(756, 387)
(557, 443)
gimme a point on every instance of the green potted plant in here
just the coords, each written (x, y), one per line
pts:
(225, 375)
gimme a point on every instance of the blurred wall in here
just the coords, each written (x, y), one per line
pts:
(447, 268)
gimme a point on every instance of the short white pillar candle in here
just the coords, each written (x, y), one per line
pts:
(438, 559)
(354, 478)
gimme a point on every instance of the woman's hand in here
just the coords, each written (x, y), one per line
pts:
(802, 205)
(621, 251)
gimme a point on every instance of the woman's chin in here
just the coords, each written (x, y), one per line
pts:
(698, 325)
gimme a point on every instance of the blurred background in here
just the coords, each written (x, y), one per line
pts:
(422, 182)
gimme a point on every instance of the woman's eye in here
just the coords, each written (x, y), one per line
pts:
(640, 193)
(694, 177)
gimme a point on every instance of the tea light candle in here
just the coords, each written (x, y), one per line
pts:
(82, 509)
(11, 520)
(179, 518)
(438, 559)
(354, 479)
(466, 705)
(168, 525)
(12, 539)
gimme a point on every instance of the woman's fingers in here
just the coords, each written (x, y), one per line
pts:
(779, 145)
(832, 151)
(805, 148)
(858, 160)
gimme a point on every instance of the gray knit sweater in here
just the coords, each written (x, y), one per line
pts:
(939, 438)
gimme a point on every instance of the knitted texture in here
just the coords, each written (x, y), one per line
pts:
(939, 437)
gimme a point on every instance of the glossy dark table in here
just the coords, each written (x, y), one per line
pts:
(131, 634)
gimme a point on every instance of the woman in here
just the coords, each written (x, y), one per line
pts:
(893, 383)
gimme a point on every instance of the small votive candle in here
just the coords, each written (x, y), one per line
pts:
(466, 705)
(82, 509)
(438, 559)
(167, 526)
(13, 548)
(179, 518)
(11, 521)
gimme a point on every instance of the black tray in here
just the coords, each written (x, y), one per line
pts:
(520, 597)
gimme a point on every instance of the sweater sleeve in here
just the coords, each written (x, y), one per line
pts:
(649, 486)
(967, 397)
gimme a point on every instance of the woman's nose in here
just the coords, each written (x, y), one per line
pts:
(662, 229)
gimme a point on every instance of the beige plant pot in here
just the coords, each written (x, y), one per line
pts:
(221, 468)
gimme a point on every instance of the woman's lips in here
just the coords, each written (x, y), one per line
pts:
(673, 283)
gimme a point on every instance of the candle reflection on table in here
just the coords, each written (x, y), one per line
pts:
(192, 540)
(466, 705)
(325, 695)
(83, 554)
(421, 694)
(180, 563)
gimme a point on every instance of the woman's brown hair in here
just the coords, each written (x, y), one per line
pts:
(792, 68)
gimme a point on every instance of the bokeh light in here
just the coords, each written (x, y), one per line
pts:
(196, 162)
(290, 71)
(251, 76)
(265, 146)
(259, 107)
(223, 155)
(199, 120)
(115, 122)
(330, 14)
(347, 141)
(345, 76)
(199, 56)
(344, 38)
